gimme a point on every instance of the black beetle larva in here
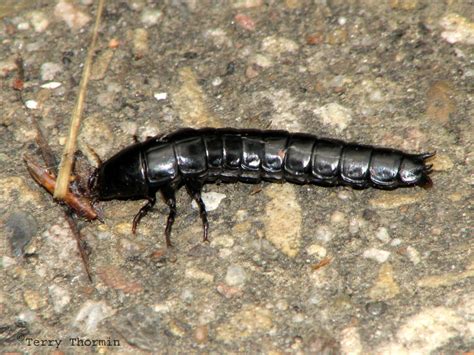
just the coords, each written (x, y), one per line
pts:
(194, 157)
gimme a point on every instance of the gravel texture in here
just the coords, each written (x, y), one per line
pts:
(289, 269)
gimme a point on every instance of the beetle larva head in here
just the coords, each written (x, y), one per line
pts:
(121, 177)
(415, 171)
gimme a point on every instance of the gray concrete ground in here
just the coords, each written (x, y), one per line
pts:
(289, 269)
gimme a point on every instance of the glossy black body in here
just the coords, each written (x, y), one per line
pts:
(193, 157)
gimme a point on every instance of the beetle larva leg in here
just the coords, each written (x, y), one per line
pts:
(194, 189)
(142, 213)
(168, 193)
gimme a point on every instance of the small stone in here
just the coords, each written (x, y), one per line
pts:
(186, 295)
(440, 103)
(338, 217)
(60, 297)
(39, 21)
(34, 300)
(246, 4)
(115, 278)
(396, 242)
(201, 334)
(50, 70)
(6, 66)
(457, 29)
(211, 200)
(70, 14)
(378, 255)
(51, 85)
(318, 250)
(249, 321)
(389, 200)
(91, 314)
(160, 96)
(382, 235)
(276, 46)
(229, 291)
(334, 115)
(140, 43)
(261, 61)
(245, 22)
(324, 233)
(224, 241)
(151, 17)
(283, 219)
(197, 274)
(413, 255)
(235, 275)
(217, 81)
(338, 36)
(403, 4)
(101, 65)
(22, 227)
(385, 287)
(376, 308)
(441, 162)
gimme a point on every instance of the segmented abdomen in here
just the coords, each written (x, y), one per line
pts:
(250, 156)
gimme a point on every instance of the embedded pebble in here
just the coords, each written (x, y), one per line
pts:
(403, 4)
(160, 96)
(338, 217)
(217, 81)
(382, 235)
(385, 287)
(431, 329)
(39, 21)
(6, 66)
(334, 115)
(190, 101)
(224, 241)
(413, 255)
(245, 22)
(196, 274)
(376, 308)
(22, 227)
(246, 4)
(457, 29)
(441, 162)
(283, 219)
(140, 43)
(218, 37)
(211, 200)
(440, 103)
(101, 65)
(60, 297)
(316, 249)
(261, 60)
(351, 341)
(276, 46)
(34, 300)
(115, 278)
(70, 14)
(91, 314)
(235, 275)
(50, 70)
(251, 320)
(324, 233)
(378, 255)
(151, 17)
(186, 295)
(396, 242)
(389, 200)
(51, 85)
